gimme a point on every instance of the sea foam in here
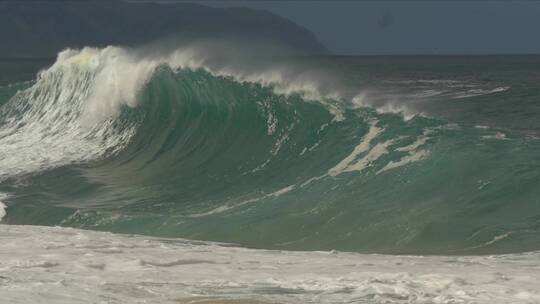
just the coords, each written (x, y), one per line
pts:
(76, 264)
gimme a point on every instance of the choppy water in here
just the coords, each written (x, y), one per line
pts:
(406, 155)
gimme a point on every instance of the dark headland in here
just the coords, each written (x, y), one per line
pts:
(37, 29)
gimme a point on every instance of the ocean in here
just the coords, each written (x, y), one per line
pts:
(191, 177)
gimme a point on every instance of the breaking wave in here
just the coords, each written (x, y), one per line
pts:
(190, 144)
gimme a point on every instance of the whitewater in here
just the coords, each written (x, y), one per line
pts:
(212, 174)
(63, 265)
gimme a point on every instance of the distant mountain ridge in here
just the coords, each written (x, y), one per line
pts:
(42, 28)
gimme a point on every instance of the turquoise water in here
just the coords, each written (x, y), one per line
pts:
(379, 154)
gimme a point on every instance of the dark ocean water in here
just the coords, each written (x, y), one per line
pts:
(371, 154)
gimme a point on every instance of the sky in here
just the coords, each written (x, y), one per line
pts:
(359, 27)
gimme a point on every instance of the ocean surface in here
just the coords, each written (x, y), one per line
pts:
(322, 179)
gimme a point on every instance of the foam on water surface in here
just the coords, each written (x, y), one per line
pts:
(2, 210)
(64, 265)
(3, 207)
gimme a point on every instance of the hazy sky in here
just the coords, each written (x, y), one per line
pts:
(413, 27)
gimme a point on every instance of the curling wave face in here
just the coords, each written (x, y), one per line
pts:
(184, 144)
